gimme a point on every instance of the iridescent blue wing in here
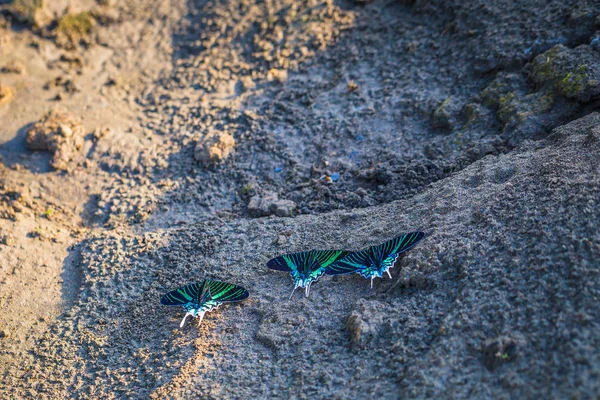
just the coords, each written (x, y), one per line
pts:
(203, 292)
(399, 244)
(375, 260)
(223, 292)
(201, 297)
(386, 254)
(308, 271)
(288, 262)
(328, 257)
(304, 266)
(351, 262)
(183, 295)
(388, 262)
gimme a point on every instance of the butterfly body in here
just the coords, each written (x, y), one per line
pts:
(375, 261)
(201, 297)
(309, 270)
(305, 267)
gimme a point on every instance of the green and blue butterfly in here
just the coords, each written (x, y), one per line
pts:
(305, 267)
(377, 260)
(201, 297)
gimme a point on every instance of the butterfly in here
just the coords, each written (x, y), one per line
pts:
(201, 297)
(305, 267)
(376, 260)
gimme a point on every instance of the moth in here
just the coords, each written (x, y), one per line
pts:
(201, 297)
(305, 267)
(377, 260)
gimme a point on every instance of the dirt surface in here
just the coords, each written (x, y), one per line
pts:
(149, 144)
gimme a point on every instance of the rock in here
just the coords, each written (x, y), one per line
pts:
(8, 240)
(573, 73)
(497, 351)
(58, 133)
(355, 326)
(32, 12)
(99, 133)
(445, 116)
(365, 323)
(4, 333)
(524, 113)
(214, 147)
(13, 67)
(270, 204)
(504, 84)
(278, 75)
(508, 94)
(73, 28)
(6, 94)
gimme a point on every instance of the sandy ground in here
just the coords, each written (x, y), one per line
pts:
(149, 144)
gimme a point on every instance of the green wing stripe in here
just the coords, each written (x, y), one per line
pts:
(376, 259)
(185, 294)
(289, 262)
(293, 261)
(226, 292)
(305, 267)
(328, 257)
(352, 262)
(402, 243)
(207, 291)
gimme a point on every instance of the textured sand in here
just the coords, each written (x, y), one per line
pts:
(210, 131)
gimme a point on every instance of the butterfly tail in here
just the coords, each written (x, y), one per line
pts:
(291, 295)
(307, 290)
(201, 316)
(184, 317)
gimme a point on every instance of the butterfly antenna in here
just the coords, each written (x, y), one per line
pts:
(295, 287)
(388, 272)
(183, 320)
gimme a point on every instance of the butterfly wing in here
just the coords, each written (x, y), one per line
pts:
(223, 292)
(311, 269)
(399, 244)
(386, 254)
(351, 262)
(187, 294)
(288, 262)
(303, 266)
(201, 297)
(207, 293)
(328, 257)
